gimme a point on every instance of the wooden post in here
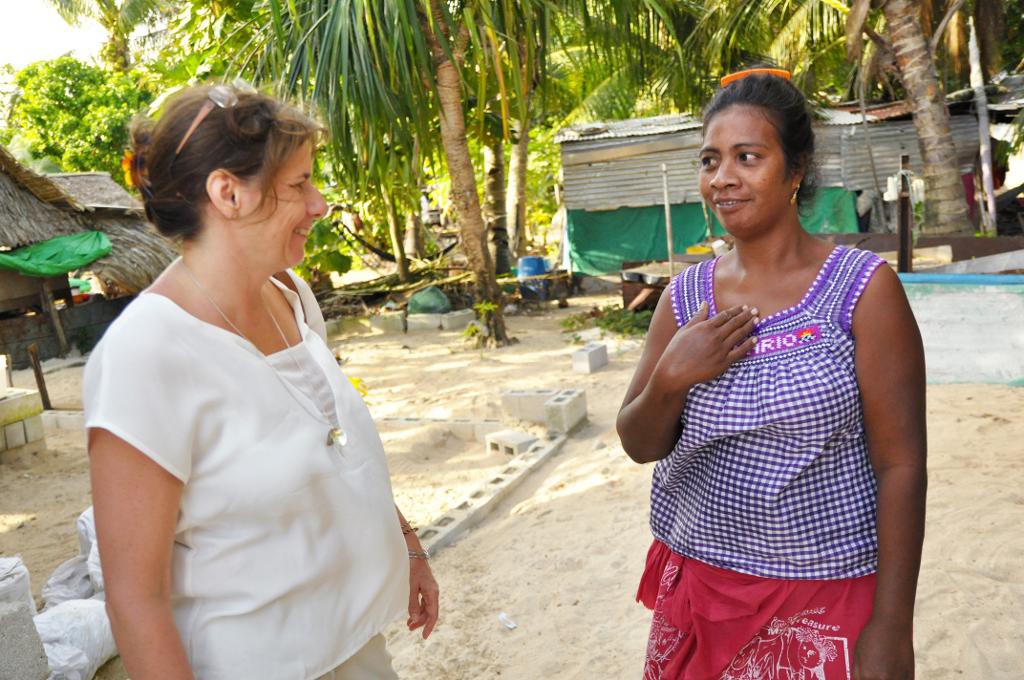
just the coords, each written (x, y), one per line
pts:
(37, 369)
(47, 298)
(988, 203)
(668, 220)
(905, 257)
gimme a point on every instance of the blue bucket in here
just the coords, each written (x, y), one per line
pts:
(532, 266)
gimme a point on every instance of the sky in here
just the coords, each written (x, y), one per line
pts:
(31, 30)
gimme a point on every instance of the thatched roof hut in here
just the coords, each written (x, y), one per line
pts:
(35, 208)
(96, 190)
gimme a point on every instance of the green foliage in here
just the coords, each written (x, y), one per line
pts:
(477, 330)
(203, 39)
(77, 114)
(542, 171)
(326, 252)
(484, 308)
(19, 147)
(612, 319)
(119, 18)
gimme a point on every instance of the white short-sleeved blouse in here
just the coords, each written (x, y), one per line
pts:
(287, 555)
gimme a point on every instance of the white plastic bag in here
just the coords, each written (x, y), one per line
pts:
(95, 570)
(86, 526)
(77, 638)
(89, 547)
(69, 581)
(14, 582)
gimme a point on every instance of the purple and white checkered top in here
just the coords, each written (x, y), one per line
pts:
(771, 475)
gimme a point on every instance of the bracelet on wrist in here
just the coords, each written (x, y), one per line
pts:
(419, 555)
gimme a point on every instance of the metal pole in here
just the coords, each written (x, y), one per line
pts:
(668, 219)
(905, 256)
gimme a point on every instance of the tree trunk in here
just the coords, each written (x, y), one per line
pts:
(397, 243)
(515, 197)
(988, 20)
(988, 213)
(495, 218)
(945, 206)
(464, 196)
(413, 234)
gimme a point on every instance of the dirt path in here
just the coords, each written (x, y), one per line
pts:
(561, 556)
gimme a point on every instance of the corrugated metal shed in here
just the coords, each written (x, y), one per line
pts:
(888, 141)
(622, 129)
(612, 165)
(629, 175)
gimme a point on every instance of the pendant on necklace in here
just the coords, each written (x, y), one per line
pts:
(337, 436)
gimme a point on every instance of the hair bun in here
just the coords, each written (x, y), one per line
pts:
(251, 121)
(140, 136)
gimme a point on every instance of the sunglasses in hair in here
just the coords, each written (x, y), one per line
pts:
(221, 96)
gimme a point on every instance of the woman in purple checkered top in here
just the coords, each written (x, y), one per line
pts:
(781, 392)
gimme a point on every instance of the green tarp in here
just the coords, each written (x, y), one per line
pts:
(599, 242)
(57, 256)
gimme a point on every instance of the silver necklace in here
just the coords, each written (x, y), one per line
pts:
(335, 435)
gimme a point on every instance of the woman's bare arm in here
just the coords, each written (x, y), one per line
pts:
(674, 360)
(136, 506)
(424, 595)
(891, 376)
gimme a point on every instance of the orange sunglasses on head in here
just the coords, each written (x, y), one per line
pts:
(740, 75)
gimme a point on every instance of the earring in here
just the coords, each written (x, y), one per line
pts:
(707, 217)
(792, 199)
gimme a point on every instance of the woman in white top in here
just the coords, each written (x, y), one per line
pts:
(243, 506)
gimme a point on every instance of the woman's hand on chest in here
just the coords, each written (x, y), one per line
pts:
(705, 348)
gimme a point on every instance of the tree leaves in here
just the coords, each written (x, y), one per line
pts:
(78, 114)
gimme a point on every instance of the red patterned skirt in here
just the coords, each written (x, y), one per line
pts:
(715, 624)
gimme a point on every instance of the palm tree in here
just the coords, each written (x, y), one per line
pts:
(391, 74)
(805, 36)
(945, 207)
(118, 17)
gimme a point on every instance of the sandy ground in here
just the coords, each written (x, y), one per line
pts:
(561, 556)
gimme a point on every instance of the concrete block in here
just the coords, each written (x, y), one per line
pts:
(509, 442)
(566, 410)
(423, 322)
(590, 357)
(22, 656)
(460, 519)
(388, 322)
(71, 420)
(526, 405)
(532, 405)
(19, 404)
(49, 420)
(14, 433)
(485, 427)
(457, 320)
(462, 428)
(33, 429)
(510, 402)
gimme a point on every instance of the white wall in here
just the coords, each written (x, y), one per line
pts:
(971, 333)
